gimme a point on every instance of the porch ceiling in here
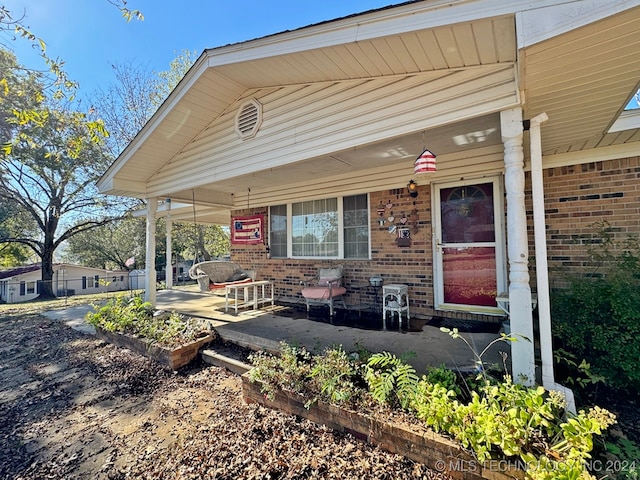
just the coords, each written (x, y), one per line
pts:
(221, 76)
(583, 79)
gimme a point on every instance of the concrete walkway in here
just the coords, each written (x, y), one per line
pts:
(264, 329)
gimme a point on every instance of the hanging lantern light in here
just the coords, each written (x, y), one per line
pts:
(412, 188)
(425, 163)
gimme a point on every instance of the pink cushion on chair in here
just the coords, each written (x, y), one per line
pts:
(322, 293)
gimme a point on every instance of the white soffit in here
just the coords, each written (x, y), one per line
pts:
(207, 91)
(628, 120)
(582, 80)
(539, 24)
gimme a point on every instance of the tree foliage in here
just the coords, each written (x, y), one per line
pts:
(130, 101)
(109, 246)
(50, 171)
(597, 319)
(204, 242)
(12, 254)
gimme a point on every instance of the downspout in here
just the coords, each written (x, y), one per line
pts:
(542, 268)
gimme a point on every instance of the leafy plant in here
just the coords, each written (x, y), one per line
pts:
(333, 375)
(582, 375)
(444, 377)
(287, 371)
(390, 379)
(133, 316)
(481, 365)
(501, 420)
(120, 314)
(597, 318)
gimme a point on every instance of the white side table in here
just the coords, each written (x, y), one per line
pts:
(251, 294)
(395, 299)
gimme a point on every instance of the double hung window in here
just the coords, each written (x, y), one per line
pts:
(335, 227)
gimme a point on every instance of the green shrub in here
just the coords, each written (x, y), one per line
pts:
(120, 314)
(445, 377)
(288, 371)
(133, 316)
(597, 319)
(391, 380)
(501, 420)
(334, 376)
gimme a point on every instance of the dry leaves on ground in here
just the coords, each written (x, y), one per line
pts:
(72, 406)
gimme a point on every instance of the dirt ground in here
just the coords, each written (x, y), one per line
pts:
(73, 407)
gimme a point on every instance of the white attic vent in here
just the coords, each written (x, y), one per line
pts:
(249, 119)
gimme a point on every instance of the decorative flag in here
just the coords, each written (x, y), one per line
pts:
(130, 261)
(247, 230)
(425, 163)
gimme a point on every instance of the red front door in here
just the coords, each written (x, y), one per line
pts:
(467, 249)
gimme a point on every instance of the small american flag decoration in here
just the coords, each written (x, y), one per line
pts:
(247, 230)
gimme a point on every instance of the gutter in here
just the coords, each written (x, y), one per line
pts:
(542, 269)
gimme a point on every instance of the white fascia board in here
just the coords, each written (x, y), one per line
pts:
(611, 152)
(537, 23)
(107, 184)
(628, 120)
(367, 26)
(190, 78)
(187, 81)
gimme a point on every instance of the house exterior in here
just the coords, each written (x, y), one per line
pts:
(305, 143)
(22, 284)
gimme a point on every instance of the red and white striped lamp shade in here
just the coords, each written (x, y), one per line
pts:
(425, 163)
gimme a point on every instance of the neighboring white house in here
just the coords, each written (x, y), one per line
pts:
(22, 284)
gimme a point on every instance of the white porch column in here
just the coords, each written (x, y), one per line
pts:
(169, 266)
(521, 318)
(150, 276)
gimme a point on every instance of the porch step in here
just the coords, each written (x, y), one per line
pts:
(224, 359)
(246, 340)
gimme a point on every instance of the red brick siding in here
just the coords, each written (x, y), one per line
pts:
(411, 266)
(576, 198)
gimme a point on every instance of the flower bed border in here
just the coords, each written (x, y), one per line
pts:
(435, 451)
(173, 358)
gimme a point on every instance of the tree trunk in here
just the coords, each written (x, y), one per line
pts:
(46, 286)
(200, 247)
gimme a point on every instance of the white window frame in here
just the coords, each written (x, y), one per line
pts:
(340, 208)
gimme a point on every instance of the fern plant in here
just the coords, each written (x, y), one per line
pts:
(391, 380)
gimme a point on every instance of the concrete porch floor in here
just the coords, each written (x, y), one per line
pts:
(265, 329)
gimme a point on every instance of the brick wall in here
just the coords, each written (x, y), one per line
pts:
(576, 198)
(410, 265)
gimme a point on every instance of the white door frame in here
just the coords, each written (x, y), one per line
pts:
(499, 244)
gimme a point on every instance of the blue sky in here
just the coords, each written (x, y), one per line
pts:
(91, 35)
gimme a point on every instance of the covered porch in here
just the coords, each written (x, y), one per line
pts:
(264, 328)
(294, 126)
